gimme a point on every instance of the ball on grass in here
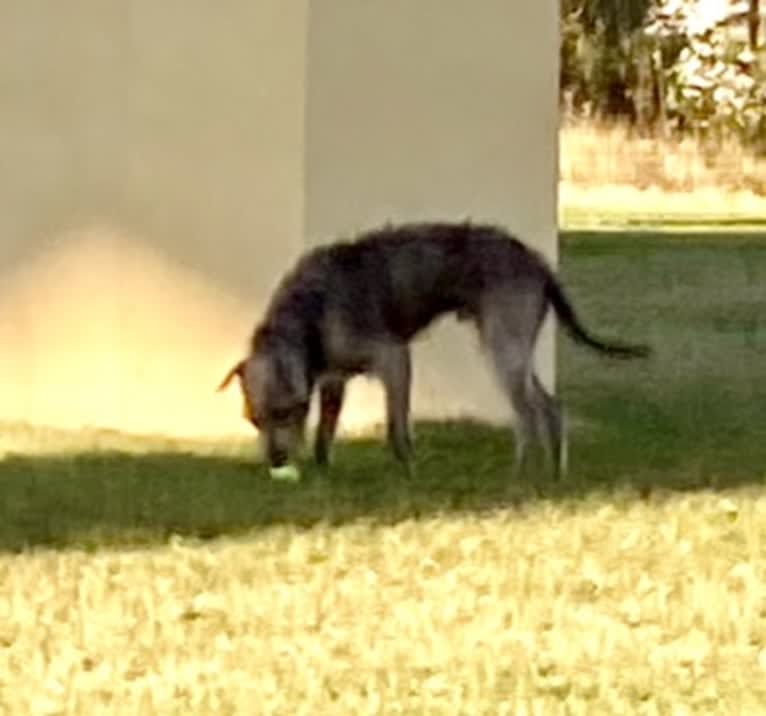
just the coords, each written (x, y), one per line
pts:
(285, 473)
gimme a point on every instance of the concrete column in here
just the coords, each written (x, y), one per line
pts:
(434, 110)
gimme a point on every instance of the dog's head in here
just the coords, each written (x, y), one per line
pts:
(277, 393)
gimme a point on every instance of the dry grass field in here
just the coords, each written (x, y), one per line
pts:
(618, 605)
(610, 176)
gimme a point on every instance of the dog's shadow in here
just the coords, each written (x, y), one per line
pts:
(96, 499)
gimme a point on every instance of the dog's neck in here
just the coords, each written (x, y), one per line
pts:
(292, 324)
(295, 336)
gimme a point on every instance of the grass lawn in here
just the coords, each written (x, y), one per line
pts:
(637, 585)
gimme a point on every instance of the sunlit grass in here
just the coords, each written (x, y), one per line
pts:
(615, 606)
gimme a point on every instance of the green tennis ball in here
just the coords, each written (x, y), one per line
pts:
(285, 473)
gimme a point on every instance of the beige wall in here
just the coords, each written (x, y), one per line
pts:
(163, 161)
(150, 179)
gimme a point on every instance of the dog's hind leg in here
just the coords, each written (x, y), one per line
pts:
(331, 394)
(393, 366)
(551, 425)
(516, 382)
(512, 364)
(508, 326)
(538, 414)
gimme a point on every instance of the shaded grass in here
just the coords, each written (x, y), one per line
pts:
(96, 498)
(689, 418)
(698, 405)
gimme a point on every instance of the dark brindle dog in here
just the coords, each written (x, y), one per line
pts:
(353, 308)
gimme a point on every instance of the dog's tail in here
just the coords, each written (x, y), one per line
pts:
(566, 314)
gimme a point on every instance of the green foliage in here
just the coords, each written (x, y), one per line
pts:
(616, 17)
(715, 82)
(681, 65)
(601, 48)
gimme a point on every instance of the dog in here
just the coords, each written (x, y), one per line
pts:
(354, 307)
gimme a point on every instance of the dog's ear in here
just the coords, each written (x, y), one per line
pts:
(237, 370)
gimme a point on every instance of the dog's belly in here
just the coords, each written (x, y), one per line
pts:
(349, 350)
(349, 362)
(334, 376)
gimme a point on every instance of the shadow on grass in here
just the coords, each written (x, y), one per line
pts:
(98, 499)
(94, 499)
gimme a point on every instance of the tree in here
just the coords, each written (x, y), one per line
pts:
(715, 83)
(753, 23)
(618, 17)
(601, 55)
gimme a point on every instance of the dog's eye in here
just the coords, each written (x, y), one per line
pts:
(288, 414)
(281, 415)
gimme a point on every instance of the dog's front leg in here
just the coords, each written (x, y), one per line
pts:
(331, 393)
(394, 369)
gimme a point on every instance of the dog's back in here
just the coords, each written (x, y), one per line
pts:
(396, 280)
